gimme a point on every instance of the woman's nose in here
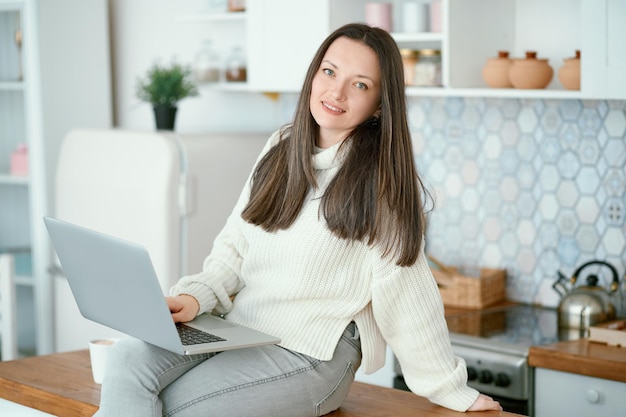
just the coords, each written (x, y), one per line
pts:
(339, 90)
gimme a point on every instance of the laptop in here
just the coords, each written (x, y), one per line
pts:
(115, 284)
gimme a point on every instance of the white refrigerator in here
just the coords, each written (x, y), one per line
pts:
(169, 192)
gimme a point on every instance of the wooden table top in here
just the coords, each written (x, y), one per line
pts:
(582, 357)
(61, 384)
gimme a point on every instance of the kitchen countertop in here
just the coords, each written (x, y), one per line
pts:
(61, 384)
(581, 357)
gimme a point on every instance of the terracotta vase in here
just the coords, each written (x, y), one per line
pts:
(496, 71)
(531, 72)
(569, 73)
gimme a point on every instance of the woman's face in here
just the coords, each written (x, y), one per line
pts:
(345, 90)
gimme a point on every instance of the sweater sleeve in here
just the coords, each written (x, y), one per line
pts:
(220, 277)
(409, 313)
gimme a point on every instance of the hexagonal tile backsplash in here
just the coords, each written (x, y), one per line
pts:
(533, 186)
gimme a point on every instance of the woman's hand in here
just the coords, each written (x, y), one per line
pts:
(184, 307)
(483, 403)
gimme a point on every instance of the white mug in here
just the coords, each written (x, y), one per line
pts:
(98, 353)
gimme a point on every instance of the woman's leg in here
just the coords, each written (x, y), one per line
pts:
(136, 373)
(265, 381)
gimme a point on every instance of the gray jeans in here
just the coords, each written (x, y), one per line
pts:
(144, 380)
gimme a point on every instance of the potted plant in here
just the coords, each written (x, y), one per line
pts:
(164, 86)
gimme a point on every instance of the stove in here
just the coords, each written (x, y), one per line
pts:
(494, 343)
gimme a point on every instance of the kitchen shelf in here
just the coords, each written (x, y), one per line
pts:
(24, 280)
(491, 92)
(12, 86)
(213, 17)
(14, 179)
(417, 37)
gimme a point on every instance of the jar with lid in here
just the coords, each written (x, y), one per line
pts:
(530, 72)
(207, 63)
(569, 73)
(235, 66)
(496, 71)
(409, 60)
(428, 68)
(236, 5)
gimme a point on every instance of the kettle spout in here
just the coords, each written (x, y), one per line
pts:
(559, 285)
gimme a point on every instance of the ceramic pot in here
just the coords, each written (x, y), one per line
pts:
(531, 72)
(496, 71)
(569, 73)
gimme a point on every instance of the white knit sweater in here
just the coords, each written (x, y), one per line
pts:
(304, 285)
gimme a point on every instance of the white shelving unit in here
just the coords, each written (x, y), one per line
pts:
(18, 192)
(47, 87)
(282, 36)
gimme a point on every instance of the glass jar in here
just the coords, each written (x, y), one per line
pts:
(235, 66)
(207, 64)
(428, 68)
(236, 5)
(409, 61)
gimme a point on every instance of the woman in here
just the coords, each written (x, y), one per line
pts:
(324, 250)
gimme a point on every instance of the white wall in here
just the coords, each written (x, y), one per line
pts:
(143, 31)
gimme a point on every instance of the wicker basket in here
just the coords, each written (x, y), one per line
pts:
(458, 290)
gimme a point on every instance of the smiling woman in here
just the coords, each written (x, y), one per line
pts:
(323, 250)
(345, 90)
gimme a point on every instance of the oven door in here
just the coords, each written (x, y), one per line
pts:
(510, 405)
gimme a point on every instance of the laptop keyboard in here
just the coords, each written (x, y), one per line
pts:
(190, 336)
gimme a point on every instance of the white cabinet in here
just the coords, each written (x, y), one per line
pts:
(283, 35)
(603, 42)
(282, 40)
(563, 394)
(57, 79)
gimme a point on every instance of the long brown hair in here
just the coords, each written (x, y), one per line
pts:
(377, 195)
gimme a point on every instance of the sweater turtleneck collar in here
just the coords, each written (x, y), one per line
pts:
(327, 158)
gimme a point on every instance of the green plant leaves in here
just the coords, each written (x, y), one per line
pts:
(166, 84)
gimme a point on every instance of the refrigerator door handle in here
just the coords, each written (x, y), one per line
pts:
(186, 195)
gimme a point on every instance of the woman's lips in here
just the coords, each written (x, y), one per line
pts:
(332, 109)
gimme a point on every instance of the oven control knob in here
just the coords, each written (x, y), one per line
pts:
(502, 380)
(472, 374)
(485, 377)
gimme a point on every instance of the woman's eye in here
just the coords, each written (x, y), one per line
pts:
(362, 86)
(328, 71)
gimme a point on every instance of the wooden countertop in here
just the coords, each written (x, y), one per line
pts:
(62, 384)
(581, 357)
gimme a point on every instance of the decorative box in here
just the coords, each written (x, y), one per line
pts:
(612, 333)
(19, 161)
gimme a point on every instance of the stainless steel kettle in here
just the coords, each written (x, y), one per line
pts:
(585, 305)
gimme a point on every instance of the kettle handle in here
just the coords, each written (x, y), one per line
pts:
(614, 284)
